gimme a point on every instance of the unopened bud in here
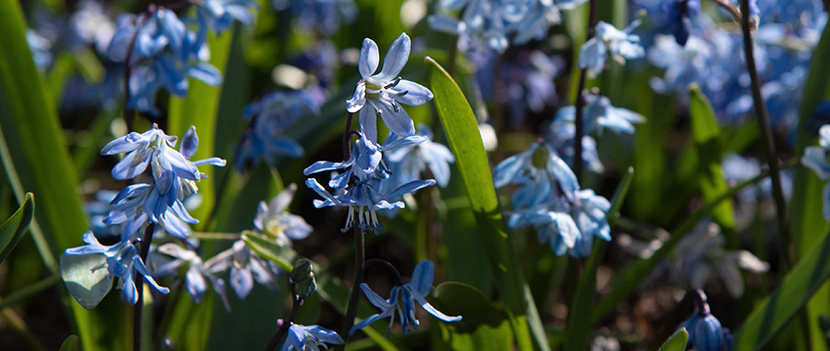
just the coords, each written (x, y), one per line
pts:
(302, 279)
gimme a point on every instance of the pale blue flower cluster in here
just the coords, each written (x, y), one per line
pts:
(268, 119)
(609, 41)
(244, 265)
(402, 301)
(162, 52)
(321, 15)
(365, 185)
(140, 204)
(499, 23)
(550, 200)
(816, 158)
(598, 115)
(704, 52)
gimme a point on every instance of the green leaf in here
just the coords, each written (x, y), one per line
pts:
(677, 342)
(464, 138)
(806, 219)
(199, 108)
(12, 230)
(777, 310)
(71, 343)
(579, 315)
(483, 326)
(36, 159)
(706, 134)
(86, 277)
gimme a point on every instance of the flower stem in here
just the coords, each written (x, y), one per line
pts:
(354, 298)
(580, 97)
(28, 291)
(767, 140)
(139, 285)
(286, 323)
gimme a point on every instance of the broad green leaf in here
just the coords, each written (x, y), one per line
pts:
(806, 219)
(86, 277)
(706, 134)
(12, 230)
(464, 138)
(579, 314)
(776, 311)
(483, 326)
(70, 343)
(36, 160)
(199, 108)
(677, 342)
(60, 72)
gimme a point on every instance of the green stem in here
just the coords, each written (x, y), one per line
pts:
(30, 290)
(139, 285)
(354, 298)
(768, 142)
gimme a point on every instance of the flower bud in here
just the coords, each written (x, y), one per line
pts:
(302, 279)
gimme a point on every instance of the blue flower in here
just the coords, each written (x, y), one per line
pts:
(561, 135)
(218, 15)
(174, 177)
(609, 40)
(245, 267)
(705, 331)
(41, 49)
(123, 262)
(273, 219)
(382, 93)
(324, 15)
(163, 53)
(269, 118)
(302, 338)
(600, 114)
(541, 174)
(407, 162)
(410, 293)
(194, 279)
(679, 13)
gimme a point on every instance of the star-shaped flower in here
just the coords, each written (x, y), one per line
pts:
(382, 93)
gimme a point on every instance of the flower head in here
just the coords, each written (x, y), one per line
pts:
(609, 40)
(541, 174)
(410, 293)
(302, 338)
(705, 331)
(600, 114)
(382, 93)
(407, 162)
(273, 219)
(123, 262)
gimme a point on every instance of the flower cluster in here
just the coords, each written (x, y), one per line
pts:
(268, 119)
(139, 205)
(322, 15)
(699, 258)
(245, 266)
(402, 301)
(162, 52)
(693, 48)
(550, 200)
(498, 22)
(365, 186)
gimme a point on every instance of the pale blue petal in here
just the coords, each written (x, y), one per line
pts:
(415, 95)
(207, 73)
(422, 278)
(190, 142)
(427, 307)
(367, 64)
(395, 58)
(368, 123)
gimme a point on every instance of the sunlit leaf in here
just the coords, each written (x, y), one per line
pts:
(12, 230)
(86, 277)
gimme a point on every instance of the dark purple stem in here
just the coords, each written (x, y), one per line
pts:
(139, 285)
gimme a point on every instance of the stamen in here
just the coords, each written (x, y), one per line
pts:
(393, 84)
(402, 92)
